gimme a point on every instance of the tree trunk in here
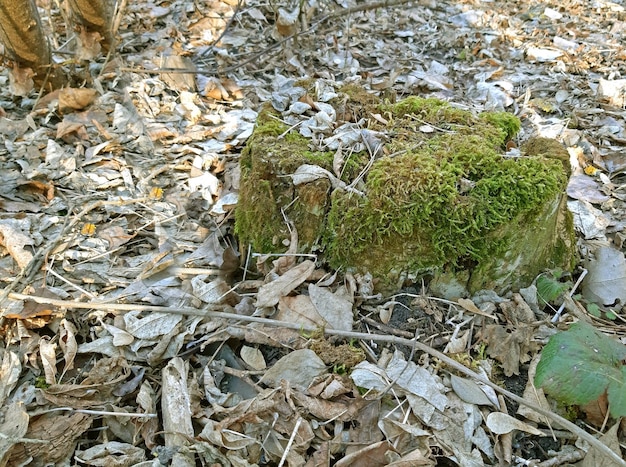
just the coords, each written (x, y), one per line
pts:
(95, 18)
(25, 43)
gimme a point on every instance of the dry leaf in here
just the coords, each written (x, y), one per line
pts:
(71, 99)
(469, 391)
(176, 408)
(47, 352)
(270, 293)
(61, 433)
(15, 241)
(336, 311)
(252, 357)
(595, 458)
(67, 342)
(501, 423)
(12, 429)
(9, 375)
(299, 367)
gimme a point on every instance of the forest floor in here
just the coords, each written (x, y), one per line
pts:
(137, 331)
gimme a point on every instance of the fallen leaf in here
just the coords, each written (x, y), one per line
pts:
(270, 293)
(605, 282)
(469, 391)
(501, 423)
(299, 367)
(595, 458)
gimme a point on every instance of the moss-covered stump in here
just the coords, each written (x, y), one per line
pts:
(438, 197)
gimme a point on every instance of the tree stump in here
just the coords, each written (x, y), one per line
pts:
(423, 189)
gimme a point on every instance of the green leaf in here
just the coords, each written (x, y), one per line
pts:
(594, 310)
(549, 288)
(577, 366)
(617, 395)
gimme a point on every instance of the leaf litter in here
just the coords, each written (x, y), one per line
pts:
(137, 332)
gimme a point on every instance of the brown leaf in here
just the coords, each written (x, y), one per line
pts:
(510, 347)
(71, 99)
(36, 190)
(61, 433)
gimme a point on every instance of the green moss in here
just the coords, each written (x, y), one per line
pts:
(442, 200)
(415, 199)
(509, 124)
(430, 110)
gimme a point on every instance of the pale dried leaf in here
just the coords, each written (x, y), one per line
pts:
(415, 458)
(12, 429)
(469, 391)
(500, 423)
(15, 241)
(299, 309)
(417, 380)
(336, 311)
(299, 367)
(120, 337)
(9, 374)
(176, 408)
(534, 395)
(151, 326)
(606, 281)
(270, 293)
(213, 292)
(595, 458)
(252, 357)
(61, 433)
(112, 453)
(67, 342)
(47, 352)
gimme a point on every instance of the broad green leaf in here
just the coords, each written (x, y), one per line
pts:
(617, 395)
(577, 366)
(549, 288)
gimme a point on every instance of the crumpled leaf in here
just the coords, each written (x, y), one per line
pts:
(15, 242)
(71, 99)
(299, 367)
(510, 348)
(112, 453)
(47, 352)
(9, 374)
(67, 342)
(176, 408)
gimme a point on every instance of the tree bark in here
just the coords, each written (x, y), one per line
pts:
(95, 16)
(25, 42)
